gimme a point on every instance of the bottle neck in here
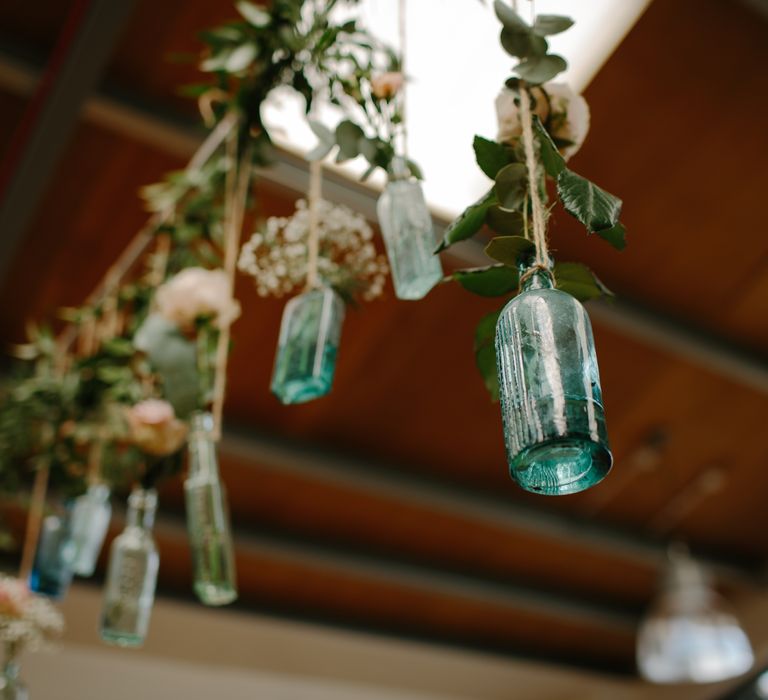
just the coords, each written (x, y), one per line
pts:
(398, 169)
(202, 445)
(142, 506)
(535, 277)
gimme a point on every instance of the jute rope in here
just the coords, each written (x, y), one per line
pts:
(403, 41)
(313, 232)
(34, 521)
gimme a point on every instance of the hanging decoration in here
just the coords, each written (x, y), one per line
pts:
(537, 353)
(371, 90)
(689, 635)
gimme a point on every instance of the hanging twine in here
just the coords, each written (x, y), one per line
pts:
(538, 212)
(403, 40)
(313, 232)
(235, 200)
(34, 521)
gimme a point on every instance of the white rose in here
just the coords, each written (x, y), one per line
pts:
(154, 427)
(197, 292)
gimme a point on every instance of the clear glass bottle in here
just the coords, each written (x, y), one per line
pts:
(551, 403)
(11, 688)
(52, 568)
(689, 635)
(406, 227)
(208, 526)
(90, 522)
(308, 345)
(129, 591)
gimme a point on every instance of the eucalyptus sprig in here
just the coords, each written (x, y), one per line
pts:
(506, 209)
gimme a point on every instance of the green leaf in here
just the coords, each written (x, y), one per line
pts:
(485, 352)
(322, 131)
(540, 69)
(491, 156)
(174, 358)
(595, 208)
(253, 15)
(415, 169)
(579, 281)
(616, 235)
(523, 44)
(348, 135)
(469, 222)
(320, 151)
(553, 162)
(491, 281)
(511, 185)
(504, 222)
(241, 57)
(509, 250)
(509, 18)
(546, 25)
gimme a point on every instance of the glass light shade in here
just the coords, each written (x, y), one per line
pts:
(689, 635)
(129, 591)
(208, 526)
(551, 402)
(406, 227)
(310, 332)
(52, 568)
(90, 522)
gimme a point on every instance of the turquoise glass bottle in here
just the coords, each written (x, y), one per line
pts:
(90, 521)
(551, 403)
(129, 592)
(406, 227)
(52, 569)
(208, 526)
(309, 342)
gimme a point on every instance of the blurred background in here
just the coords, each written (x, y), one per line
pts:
(382, 550)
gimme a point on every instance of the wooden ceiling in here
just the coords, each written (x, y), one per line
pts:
(386, 505)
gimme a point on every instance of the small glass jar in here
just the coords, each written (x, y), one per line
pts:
(90, 522)
(52, 569)
(406, 227)
(129, 591)
(310, 332)
(551, 403)
(208, 525)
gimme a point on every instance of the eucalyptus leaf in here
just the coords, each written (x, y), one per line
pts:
(320, 151)
(546, 25)
(505, 222)
(469, 222)
(485, 352)
(553, 162)
(523, 44)
(491, 156)
(253, 15)
(414, 169)
(490, 281)
(595, 208)
(509, 18)
(322, 131)
(348, 135)
(616, 235)
(509, 250)
(579, 281)
(511, 186)
(540, 69)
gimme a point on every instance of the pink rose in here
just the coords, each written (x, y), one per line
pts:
(154, 427)
(195, 293)
(387, 85)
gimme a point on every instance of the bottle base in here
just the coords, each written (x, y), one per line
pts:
(213, 595)
(122, 639)
(561, 466)
(418, 288)
(302, 390)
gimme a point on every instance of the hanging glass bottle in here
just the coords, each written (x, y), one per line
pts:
(208, 526)
(90, 522)
(52, 569)
(406, 227)
(309, 341)
(11, 688)
(129, 592)
(551, 402)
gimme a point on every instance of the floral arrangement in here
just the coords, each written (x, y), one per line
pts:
(276, 256)
(27, 620)
(559, 123)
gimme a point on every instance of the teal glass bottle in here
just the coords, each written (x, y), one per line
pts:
(406, 227)
(90, 521)
(308, 345)
(11, 687)
(52, 569)
(129, 592)
(208, 525)
(551, 402)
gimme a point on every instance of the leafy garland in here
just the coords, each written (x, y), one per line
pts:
(506, 208)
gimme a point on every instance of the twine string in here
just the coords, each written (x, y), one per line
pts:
(313, 231)
(34, 521)
(403, 41)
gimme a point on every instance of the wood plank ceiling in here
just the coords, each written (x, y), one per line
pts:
(386, 505)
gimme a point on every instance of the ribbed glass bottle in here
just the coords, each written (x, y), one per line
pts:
(90, 521)
(208, 526)
(406, 227)
(129, 592)
(54, 557)
(308, 345)
(551, 403)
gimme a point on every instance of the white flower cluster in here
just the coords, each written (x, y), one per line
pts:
(276, 256)
(26, 619)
